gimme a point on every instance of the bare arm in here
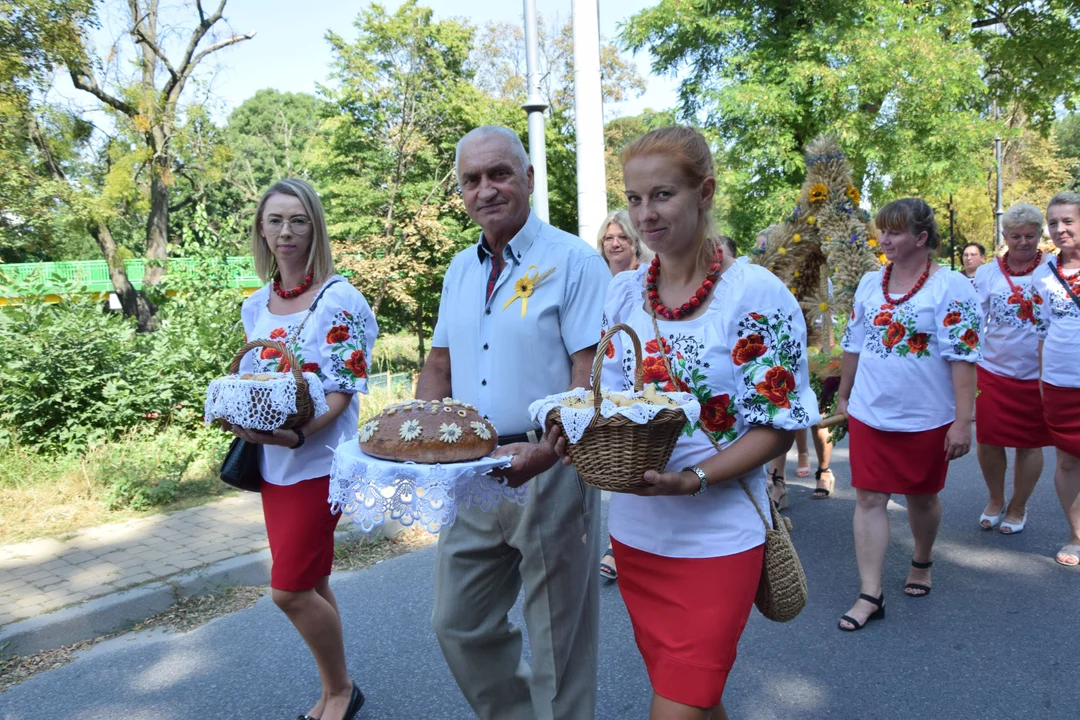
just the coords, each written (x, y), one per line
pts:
(434, 382)
(958, 439)
(581, 368)
(849, 365)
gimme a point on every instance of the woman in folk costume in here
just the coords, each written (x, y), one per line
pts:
(1057, 286)
(1009, 409)
(908, 388)
(690, 545)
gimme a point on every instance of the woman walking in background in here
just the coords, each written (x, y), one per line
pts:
(1009, 409)
(330, 329)
(908, 387)
(1057, 287)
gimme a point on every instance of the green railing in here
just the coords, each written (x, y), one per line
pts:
(92, 276)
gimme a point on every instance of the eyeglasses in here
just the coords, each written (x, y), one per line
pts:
(609, 239)
(300, 225)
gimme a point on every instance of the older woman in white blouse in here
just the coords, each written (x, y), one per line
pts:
(1009, 409)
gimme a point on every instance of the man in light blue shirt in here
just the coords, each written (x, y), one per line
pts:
(519, 320)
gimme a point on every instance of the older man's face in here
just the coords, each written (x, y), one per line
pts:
(495, 190)
(972, 258)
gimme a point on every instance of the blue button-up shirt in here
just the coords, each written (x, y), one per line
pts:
(500, 360)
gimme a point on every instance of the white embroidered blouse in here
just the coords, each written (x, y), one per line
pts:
(745, 360)
(904, 381)
(1059, 327)
(1010, 341)
(336, 344)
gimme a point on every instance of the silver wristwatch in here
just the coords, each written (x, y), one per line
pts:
(701, 476)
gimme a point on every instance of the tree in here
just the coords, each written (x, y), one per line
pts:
(385, 160)
(152, 107)
(899, 84)
(1067, 137)
(619, 133)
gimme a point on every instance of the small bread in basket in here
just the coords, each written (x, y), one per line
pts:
(265, 401)
(419, 431)
(615, 438)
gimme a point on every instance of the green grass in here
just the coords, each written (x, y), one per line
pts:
(397, 353)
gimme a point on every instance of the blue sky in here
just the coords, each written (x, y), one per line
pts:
(289, 53)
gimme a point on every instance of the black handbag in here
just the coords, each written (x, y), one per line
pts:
(240, 468)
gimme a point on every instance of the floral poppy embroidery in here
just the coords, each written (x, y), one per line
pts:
(653, 348)
(1018, 309)
(768, 376)
(310, 367)
(269, 353)
(337, 334)
(894, 334)
(952, 318)
(963, 333)
(610, 350)
(654, 370)
(918, 343)
(348, 351)
(357, 364)
(718, 414)
(277, 333)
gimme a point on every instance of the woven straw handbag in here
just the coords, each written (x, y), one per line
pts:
(614, 453)
(782, 591)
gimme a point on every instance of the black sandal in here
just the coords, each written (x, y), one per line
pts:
(606, 571)
(918, 586)
(780, 504)
(878, 614)
(821, 493)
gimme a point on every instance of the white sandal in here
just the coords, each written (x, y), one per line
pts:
(1008, 528)
(994, 520)
(1069, 551)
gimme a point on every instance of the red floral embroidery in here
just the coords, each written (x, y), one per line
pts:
(715, 416)
(757, 316)
(653, 348)
(610, 351)
(970, 338)
(777, 384)
(883, 318)
(951, 319)
(654, 370)
(269, 353)
(677, 385)
(357, 364)
(337, 334)
(1026, 311)
(277, 333)
(918, 342)
(894, 335)
(284, 366)
(310, 367)
(748, 348)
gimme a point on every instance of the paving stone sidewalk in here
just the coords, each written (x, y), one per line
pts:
(43, 575)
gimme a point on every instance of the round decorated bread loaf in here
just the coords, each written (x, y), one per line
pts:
(434, 431)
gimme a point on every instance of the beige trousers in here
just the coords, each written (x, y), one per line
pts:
(551, 547)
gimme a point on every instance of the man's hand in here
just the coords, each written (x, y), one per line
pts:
(670, 483)
(284, 438)
(958, 440)
(530, 459)
(556, 440)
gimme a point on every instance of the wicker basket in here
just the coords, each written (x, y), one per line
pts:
(614, 453)
(305, 408)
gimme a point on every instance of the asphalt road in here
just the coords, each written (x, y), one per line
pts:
(997, 638)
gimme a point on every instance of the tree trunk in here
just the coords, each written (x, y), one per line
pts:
(157, 224)
(132, 302)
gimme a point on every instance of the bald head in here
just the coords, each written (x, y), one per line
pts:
(497, 135)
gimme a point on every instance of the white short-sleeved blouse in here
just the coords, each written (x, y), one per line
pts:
(1059, 325)
(1010, 341)
(745, 360)
(904, 381)
(336, 344)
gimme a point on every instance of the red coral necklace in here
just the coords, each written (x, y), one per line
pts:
(911, 293)
(695, 300)
(1007, 271)
(298, 290)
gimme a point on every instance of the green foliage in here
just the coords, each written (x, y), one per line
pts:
(1067, 136)
(138, 475)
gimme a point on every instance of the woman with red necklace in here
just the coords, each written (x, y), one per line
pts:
(1057, 284)
(1009, 410)
(327, 325)
(690, 545)
(908, 386)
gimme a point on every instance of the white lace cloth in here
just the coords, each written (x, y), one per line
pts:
(575, 420)
(370, 490)
(259, 404)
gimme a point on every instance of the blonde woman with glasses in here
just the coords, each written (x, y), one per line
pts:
(619, 243)
(330, 329)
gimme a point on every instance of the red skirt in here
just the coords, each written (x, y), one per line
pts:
(905, 463)
(1062, 408)
(688, 615)
(300, 528)
(1009, 412)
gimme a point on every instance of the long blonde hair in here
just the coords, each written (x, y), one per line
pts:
(320, 259)
(688, 150)
(622, 219)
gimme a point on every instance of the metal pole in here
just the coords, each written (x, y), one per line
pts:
(998, 210)
(588, 119)
(535, 107)
(952, 234)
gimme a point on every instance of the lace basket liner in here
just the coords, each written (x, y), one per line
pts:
(575, 420)
(370, 490)
(259, 404)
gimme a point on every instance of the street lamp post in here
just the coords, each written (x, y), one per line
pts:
(535, 107)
